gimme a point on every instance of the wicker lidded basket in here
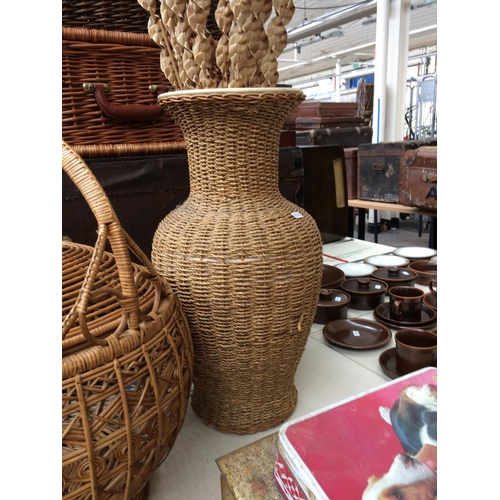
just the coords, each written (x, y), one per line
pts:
(111, 77)
(127, 358)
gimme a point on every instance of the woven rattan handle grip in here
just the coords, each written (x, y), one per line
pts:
(108, 223)
(130, 112)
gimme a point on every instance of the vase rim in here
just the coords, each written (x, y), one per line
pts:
(237, 90)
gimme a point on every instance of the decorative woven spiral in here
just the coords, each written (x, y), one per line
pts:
(252, 36)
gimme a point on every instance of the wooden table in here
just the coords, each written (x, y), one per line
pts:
(363, 205)
(247, 473)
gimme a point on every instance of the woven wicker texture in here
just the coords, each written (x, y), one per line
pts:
(129, 64)
(246, 271)
(127, 359)
(119, 15)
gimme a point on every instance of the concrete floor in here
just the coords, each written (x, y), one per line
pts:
(405, 235)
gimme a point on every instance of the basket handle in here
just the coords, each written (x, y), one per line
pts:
(109, 229)
(129, 112)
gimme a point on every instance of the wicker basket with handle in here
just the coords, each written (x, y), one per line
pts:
(127, 358)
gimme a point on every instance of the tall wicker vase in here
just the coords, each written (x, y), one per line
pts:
(245, 262)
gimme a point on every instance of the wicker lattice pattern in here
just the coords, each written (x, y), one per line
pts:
(119, 15)
(246, 271)
(127, 359)
(129, 64)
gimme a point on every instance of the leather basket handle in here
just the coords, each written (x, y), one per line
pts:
(129, 112)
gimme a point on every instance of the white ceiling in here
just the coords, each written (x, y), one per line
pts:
(318, 48)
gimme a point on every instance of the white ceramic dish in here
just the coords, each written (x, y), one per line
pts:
(387, 261)
(356, 269)
(415, 252)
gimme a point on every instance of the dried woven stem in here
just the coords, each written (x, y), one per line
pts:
(245, 54)
(224, 19)
(243, 63)
(157, 33)
(197, 16)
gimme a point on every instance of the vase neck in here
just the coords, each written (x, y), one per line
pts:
(233, 144)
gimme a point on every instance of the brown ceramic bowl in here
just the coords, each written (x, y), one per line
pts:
(366, 293)
(332, 305)
(395, 276)
(426, 270)
(332, 277)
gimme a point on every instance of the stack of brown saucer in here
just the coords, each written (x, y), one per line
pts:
(427, 321)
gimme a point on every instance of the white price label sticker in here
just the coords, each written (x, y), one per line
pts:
(297, 215)
(338, 299)
(356, 333)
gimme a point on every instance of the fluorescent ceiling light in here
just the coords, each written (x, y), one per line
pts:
(294, 65)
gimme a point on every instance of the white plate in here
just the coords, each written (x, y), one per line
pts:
(415, 252)
(387, 261)
(356, 269)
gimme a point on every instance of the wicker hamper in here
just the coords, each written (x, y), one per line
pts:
(107, 43)
(110, 83)
(118, 15)
(127, 358)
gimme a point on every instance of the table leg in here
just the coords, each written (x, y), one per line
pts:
(361, 223)
(375, 226)
(433, 233)
(350, 221)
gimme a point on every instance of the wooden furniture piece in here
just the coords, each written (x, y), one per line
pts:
(363, 205)
(248, 472)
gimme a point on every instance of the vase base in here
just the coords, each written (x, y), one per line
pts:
(248, 420)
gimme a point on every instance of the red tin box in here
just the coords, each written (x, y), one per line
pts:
(358, 447)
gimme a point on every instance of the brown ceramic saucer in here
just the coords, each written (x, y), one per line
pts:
(356, 333)
(387, 361)
(430, 300)
(382, 313)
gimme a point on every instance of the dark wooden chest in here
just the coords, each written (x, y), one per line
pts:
(325, 189)
(144, 189)
(418, 178)
(347, 137)
(351, 167)
(331, 122)
(311, 108)
(379, 169)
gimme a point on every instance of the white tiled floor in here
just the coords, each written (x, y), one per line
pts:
(326, 374)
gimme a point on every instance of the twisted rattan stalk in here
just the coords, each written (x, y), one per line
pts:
(243, 64)
(276, 30)
(245, 54)
(173, 15)
(189, 70)
(158, 34)
(259, 45)
(197, 15)
(224, 18)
